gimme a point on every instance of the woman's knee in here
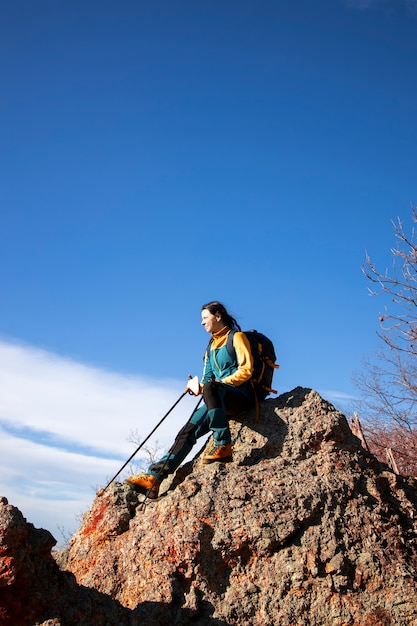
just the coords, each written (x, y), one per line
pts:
(211, 395)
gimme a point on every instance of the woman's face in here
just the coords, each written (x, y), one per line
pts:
(212, 323)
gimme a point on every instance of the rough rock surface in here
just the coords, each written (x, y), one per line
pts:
(33, 590)
(303, 528)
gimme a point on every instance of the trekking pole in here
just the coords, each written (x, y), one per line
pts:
(191, 388)
(162, 468)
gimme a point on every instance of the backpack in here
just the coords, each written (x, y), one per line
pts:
(263, 354)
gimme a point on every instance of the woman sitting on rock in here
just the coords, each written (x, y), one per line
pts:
(226, 393)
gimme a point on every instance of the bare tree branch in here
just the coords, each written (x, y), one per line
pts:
(389, 379)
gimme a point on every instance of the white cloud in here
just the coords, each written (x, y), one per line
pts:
(341, 400)
(64, 428)
(332, 395)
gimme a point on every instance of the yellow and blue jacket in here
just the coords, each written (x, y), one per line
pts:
(218, 362)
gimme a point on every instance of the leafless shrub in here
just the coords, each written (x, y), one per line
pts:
(389, 379)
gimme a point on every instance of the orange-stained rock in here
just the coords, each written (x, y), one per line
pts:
(304, 527)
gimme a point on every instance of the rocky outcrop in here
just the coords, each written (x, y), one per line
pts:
(303, 528)
(34, 591)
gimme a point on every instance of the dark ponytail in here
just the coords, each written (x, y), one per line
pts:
(217, 308)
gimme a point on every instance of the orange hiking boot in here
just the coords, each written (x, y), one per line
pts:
(145, 483)
(221, 454)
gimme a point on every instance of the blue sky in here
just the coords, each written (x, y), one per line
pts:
(155, 156)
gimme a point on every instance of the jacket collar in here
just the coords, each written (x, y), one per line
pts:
(222, 332)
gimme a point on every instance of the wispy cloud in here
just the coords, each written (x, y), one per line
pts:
(341, 400)
(65, 426)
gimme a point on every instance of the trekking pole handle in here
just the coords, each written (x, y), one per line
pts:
(193, 386)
